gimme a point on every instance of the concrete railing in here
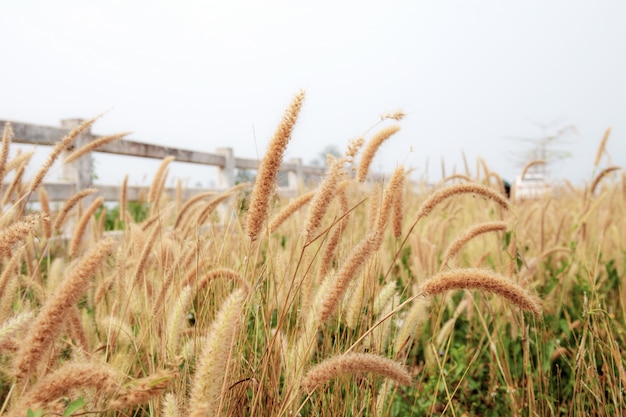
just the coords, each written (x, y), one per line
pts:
(80, 173)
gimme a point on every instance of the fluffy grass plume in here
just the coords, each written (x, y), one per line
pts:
(268, 170)
(65, 379)
(483, 280)
(7, 136)
(209, 383)
(17, 232)
(94, 144)
(48, 322)
(352, 363)
(79, 230)
(469, 234)
(371, 148)
(438, 196)
(69, 204)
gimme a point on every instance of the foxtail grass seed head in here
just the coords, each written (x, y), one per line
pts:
(96, 143)
(322, 199)
(7, 136)
(158, 181)
(394, 188)
(371, 148)
(79, 230)
(69, 377)
(396, 115)
(444, 193)
(351, 363)
(52, 315)
(265, 183)
(353, 264)
(483, 280)
(212, 365)
(289, 209)
(17, 232)
(600, 176)
(69, 204)
(469, 234)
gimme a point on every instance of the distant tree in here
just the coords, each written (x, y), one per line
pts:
(328, 150)
(244, 175)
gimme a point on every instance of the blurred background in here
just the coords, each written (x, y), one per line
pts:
(497, 80)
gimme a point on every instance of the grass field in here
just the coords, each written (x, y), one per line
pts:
(358, 297)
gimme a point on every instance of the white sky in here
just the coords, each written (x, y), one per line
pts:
(207, 74)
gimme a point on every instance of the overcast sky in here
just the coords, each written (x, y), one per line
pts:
(471, 75)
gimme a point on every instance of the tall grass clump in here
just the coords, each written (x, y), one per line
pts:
(359, 296)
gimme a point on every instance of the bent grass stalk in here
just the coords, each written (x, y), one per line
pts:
(371, 148)
(483, 280)
(469, 234)
(351, 363)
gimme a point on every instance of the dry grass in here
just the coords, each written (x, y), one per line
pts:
(280, 311)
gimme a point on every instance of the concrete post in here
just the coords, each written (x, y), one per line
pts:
(295, 179)
(79, 172)
(226, 174)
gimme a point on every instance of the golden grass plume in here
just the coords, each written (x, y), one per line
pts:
(268, 170)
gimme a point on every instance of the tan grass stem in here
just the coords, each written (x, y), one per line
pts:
(79, 230)
(602, 146)
(371, 148)
(265, 183)
(69, 205)
(469, 234)
(600, 176)
(483, 280)
(56, 151)
(52, 315)
(103, 140)
(351, 363)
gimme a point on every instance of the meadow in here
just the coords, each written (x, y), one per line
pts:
(362, 296)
